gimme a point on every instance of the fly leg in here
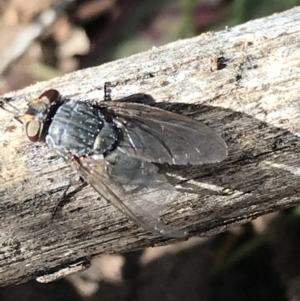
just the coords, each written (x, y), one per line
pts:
(107, 91)
(3, 102)
(66, 197)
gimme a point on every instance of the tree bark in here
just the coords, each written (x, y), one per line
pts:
(243, 82)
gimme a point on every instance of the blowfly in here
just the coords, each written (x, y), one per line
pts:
(116, 147)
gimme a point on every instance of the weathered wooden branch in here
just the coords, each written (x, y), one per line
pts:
(243, 82)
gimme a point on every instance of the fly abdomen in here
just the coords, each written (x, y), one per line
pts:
(80, 129)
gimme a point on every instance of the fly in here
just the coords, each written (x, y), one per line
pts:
(115, 147)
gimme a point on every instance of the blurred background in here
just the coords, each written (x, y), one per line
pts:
(42, 39)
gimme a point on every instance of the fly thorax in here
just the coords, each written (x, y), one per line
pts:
(81, 129)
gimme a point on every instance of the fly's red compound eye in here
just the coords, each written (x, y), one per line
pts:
(37, 113)
(51, 95)
(33, 130)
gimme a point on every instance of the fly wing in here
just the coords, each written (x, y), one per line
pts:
(161, 136)
(134, 187)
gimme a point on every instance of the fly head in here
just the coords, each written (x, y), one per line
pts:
(39, 113)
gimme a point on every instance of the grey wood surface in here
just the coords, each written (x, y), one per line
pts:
(243, 82)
